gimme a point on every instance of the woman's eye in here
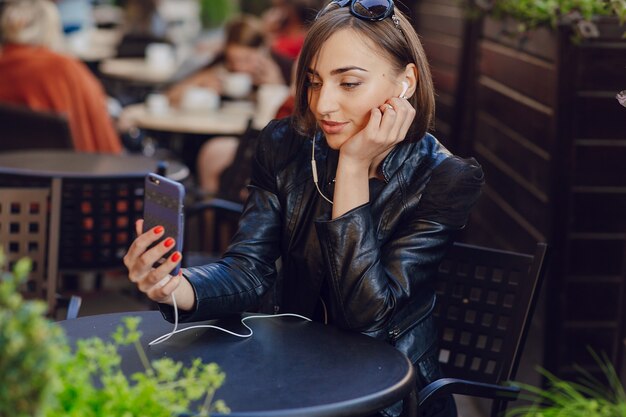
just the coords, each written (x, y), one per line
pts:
(350, 86)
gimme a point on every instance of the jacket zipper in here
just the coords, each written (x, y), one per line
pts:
(408, 323)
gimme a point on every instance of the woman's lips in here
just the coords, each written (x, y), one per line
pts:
(332, 127)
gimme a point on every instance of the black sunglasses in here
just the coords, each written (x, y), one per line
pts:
(371, 10)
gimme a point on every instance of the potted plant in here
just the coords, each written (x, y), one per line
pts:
(41, 375)
(585, 397)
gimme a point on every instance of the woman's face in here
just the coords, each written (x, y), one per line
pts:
(241, 58)
(347, 80)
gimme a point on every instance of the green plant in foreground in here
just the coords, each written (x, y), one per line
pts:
(40, 375)
(28, 347)
(164, 389)
(588, 397)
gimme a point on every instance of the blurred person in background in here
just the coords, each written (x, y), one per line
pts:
(244, 51)
(284, 28)
(35, 75)
(286, 25)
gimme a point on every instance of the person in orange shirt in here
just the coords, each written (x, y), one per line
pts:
(35, 75)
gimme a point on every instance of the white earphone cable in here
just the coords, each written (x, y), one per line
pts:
(314, 169)
(176, 330)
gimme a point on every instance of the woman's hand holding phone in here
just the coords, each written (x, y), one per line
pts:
(157, 283)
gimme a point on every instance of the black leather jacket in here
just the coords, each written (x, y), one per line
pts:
(373, 266)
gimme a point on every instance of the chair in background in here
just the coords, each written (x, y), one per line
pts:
(66, 227)
(23, 233)
(485, 302)
(23, 128)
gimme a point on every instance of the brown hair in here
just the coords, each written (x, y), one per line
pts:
(401, 46)
(246, 30)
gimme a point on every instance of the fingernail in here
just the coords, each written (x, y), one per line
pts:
(176, 257)
(158, 230)
(168, 242)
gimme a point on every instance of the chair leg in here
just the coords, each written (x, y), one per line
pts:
(73, 307)
(498, 408)
(409, 404)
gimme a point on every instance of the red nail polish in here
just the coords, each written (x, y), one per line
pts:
(158, 230)
(168, 242)
(176, 257)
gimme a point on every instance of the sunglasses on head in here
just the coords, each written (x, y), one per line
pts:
(370, 10)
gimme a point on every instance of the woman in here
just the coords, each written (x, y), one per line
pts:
(361, 231)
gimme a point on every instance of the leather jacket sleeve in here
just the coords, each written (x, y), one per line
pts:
(234, 283)
(371, 280)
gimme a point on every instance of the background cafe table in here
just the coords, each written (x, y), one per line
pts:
(289, 367)
(93, 201)
(136, 70)
(231, 119)
(72, 164)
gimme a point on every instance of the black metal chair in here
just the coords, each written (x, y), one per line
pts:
(486, 298)
(24, 128)
(77, 225)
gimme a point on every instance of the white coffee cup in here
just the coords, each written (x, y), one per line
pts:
(158, 104)
(237, 84)
(200, 99)
(160, 57)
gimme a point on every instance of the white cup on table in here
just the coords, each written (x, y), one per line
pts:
(160, 57)
(157, 104)
(237, 84)
(200, 99)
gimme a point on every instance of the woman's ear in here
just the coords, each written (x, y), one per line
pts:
(411, 77)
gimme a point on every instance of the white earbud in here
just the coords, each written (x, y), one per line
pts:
(405, 88)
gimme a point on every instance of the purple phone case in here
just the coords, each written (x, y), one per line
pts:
(163, 205)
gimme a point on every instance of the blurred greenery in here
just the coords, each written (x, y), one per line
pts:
(585, 397)
(534, 13)
(41, 376)
(214, 13)
(28, 342)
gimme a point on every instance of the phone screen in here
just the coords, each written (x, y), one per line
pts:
(163, 205)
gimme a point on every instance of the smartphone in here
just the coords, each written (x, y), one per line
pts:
(163, 205)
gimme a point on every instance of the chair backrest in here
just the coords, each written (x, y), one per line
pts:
(97, 221)
(23, 233)
(23, 128)
(485, 299)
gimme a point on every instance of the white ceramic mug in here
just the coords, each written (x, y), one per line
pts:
(237, 84)
(200, 99)
(158, 104)
(160, 56)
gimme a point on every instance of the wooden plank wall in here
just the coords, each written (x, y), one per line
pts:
(592, 230)
(552, 140)
(540, 114)
(440, 24)
(516, 94)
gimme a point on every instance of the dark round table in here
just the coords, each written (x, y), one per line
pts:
(72, 164)
(289, 367)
